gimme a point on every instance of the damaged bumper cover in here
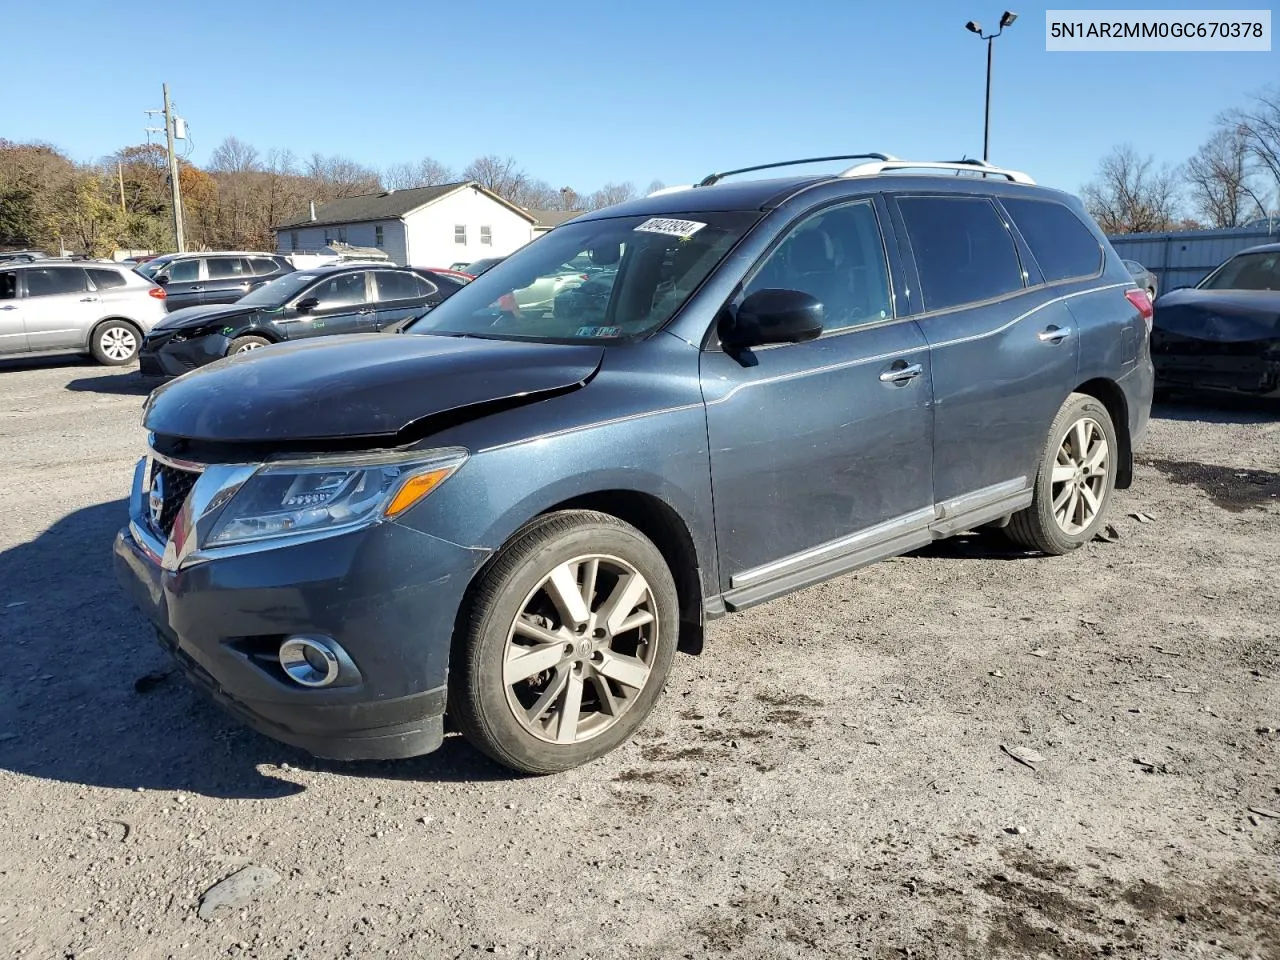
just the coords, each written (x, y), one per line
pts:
(383, 596)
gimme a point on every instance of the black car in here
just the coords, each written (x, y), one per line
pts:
(302, 304)
(1223, 335)
(192, 279)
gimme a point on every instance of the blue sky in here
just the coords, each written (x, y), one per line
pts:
(607, 91)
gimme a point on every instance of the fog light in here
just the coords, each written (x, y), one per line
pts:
(309, 661)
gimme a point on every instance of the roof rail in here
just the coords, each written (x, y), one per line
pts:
(877, 167)
(717, 177)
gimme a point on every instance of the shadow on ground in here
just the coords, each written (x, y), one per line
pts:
(125, 383)
(73, 647)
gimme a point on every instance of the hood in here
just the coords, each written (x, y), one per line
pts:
(1224, 316)
(199, 316)
(358, 385)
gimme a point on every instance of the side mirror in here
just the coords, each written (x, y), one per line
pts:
(772, 316)
(307, 304)
(160, 279)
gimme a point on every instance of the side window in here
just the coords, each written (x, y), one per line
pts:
(393, 285)
(838, 257)
(344, 290)
(51, 281)
(226, 268)
(183, 271)
(106, 279)
(1062, 245)
(8, 286)
(963, 251)
(262, 266)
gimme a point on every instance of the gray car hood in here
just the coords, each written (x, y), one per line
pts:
(359, 386)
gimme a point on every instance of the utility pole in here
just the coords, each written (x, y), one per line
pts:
(173, 174)
(120, 175)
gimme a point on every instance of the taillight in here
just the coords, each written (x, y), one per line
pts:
(157, 292)
(1142, 302)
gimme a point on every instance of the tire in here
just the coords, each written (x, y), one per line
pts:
(1039, 526)
(245, 344)
(497, 709)
(115, 343)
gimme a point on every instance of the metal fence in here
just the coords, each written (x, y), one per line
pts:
(1184, 258)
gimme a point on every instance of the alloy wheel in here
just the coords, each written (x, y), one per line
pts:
(118, 343)
(581, 649)
(1080, 475)
(247, 347)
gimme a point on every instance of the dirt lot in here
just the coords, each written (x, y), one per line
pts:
(827, 780)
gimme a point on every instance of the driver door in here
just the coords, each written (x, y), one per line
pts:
(822, 451)
(343, 303)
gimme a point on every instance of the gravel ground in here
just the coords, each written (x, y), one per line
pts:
(828, 779)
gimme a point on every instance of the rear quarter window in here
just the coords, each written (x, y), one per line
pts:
(106, 279)
(1061, 244)
(963, 251)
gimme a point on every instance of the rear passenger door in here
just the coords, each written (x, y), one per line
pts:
(227, 279)
(59, 309)
(1003, 356)
(401, 295)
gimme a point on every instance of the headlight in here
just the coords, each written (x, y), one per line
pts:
(329, 494)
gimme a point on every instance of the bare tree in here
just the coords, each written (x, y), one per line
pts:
(427, 172)
(1259, 126)
(612, 193)
(1220, 179)
(234, 156)
(502, 177)
(1129, 195)
(338, 176)
(655, 186)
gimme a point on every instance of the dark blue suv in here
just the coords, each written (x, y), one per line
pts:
(516, 515)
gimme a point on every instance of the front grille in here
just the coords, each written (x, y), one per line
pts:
(175, 485)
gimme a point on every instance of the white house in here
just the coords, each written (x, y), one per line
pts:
(421, 226)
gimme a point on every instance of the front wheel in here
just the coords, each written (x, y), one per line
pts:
(245, 344)
(1075, 480)
(566, 644)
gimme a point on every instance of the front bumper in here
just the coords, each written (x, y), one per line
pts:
(162, 356)
(388, 595)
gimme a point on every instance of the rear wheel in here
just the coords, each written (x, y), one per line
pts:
(1075, 480)
(245, 344)
(566, 645)
(115, 343)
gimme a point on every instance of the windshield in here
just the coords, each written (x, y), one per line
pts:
(1248, 271)
(278, 291)
(609, 279)
(477, 267)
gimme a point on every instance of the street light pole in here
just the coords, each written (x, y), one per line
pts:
(976, 28)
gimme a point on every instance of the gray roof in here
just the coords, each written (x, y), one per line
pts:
(385, 205)
(553, 218)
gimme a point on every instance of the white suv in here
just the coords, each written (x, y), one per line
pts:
(99, 308)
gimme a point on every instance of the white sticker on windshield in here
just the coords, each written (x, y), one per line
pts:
(672, 228)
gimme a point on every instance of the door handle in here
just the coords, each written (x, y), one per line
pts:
(8, 307)
(197, 289)
(1053, 334)
(902, 372)
(88, 299)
